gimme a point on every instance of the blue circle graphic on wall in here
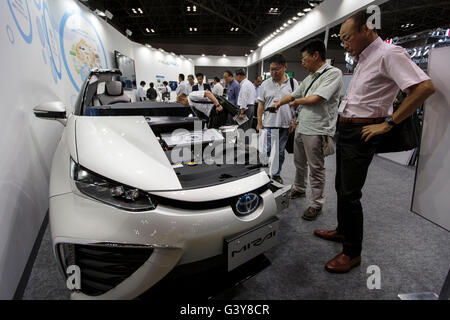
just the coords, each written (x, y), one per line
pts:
(21, 15)
(81, 47)
(51, 36)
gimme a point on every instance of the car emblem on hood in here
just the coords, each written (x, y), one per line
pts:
(247, 204)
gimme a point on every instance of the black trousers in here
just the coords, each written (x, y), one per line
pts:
(353, 157)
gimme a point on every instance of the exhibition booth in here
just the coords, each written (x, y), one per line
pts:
(60, 57)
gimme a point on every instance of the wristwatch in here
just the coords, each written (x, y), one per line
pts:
(390, 121)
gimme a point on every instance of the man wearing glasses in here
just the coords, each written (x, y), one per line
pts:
(319, 97)
(277, 122)
(365, 114)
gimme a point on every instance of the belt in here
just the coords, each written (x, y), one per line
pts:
(361, 120)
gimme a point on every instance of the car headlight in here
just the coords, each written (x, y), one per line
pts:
(110, 192)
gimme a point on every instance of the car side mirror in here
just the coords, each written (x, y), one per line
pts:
(54, 110)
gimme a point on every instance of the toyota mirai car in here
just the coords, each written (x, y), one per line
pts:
(131, 198)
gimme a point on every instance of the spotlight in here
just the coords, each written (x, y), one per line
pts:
(129, 32)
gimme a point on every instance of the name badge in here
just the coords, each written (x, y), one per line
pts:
(342, 105)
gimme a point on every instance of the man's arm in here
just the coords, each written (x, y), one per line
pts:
(309, 100)
(260, 126)
(417, 95)
(213, 99)
(286, 99)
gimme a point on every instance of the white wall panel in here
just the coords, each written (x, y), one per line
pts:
(432, 188)
(39, 63)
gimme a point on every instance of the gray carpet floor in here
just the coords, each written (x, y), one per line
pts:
(412, 253)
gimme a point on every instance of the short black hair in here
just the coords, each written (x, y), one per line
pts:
(240, 72)
(199, 75)
(360, 18)
(142, 83)
(165, 82)
(192, 76)
(230, 74)
(314, 45)
(181, 76)
(152, 84)
(216, 79)
(278, 58)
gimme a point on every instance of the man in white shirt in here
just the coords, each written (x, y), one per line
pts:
(140, 93)
(246, 98)
(181, 85)
(165, 91)
(206, 107)
(190, 84)
(217, 89)
(277, 122)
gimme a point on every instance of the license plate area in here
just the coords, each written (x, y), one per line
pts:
(247, 245)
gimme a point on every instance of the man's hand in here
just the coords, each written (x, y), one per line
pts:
(374, 129)
(259, 127)
(292, 126)
(293, 104)
(241, 116)
(219, 108)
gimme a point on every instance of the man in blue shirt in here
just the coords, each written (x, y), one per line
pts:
(233, 89)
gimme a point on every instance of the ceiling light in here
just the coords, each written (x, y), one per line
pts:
(285, 25)
(236, 29)
(188, 8)
(147, 29)
(246, 54)
(190, 29)
(307, 9)
(152, 30)
(129, 32)
(203, 54)
(134, 10)
(194, 8)
(300, 14)
(108, 15)
(195, 29)
(282, 28)
(224, 55)
(295, 18)
(290, 21)
(140, 11)
(232, 29)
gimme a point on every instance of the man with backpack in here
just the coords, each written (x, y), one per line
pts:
(151, 92)
(277, 122)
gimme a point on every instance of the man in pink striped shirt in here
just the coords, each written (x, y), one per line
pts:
(366, 114)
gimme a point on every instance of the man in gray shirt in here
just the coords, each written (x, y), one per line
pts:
(277, 122)
(318, 96)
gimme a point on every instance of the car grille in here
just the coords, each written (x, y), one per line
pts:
(206, 204)
(104, 267)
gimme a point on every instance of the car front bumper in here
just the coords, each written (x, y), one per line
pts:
(175, 236)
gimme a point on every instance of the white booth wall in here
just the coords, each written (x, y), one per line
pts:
(40, 63)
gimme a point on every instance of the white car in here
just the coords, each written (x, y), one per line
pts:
(124, 214)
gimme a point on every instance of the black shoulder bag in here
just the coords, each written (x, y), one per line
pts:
(404, 136)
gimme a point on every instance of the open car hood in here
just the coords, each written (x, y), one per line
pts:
(126, 150)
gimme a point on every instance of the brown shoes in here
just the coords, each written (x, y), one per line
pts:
(342, 263)
(311, 214)
(330, 235)
(296, 194)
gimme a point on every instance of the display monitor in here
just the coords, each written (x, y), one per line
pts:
(126, 65)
